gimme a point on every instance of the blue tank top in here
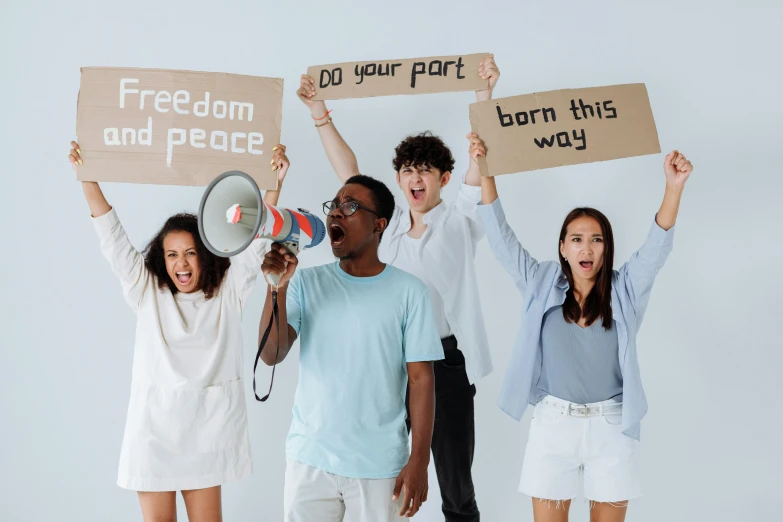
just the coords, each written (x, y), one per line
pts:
(579, 365)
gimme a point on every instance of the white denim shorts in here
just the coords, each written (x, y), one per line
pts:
(580, 450)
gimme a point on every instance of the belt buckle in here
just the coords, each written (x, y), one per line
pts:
(576, 410)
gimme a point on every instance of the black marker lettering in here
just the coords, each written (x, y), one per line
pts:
(550, 111)
(357, 73)
(533, 115)
(381, 73)
(416, 71)
(337, 72)
(367, 69)
(439, 72)
(584, 109)
(567, 140)
(321, 82)
(395, 65)
(544, 141)
(610, 109)
(598, 108)
(502, 117)
(460, 65)
(446, 67)
(574, 109)
(519, 120)
(583, 146)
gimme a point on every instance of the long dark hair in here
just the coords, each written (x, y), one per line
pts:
(598, 302)
(213, 268)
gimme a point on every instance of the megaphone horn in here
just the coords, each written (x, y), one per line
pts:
(232, 214)
(230, 195)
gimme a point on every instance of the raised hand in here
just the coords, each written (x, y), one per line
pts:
(477, 147)
(677, 169)
(75, 157)
(306, 92)
(488, 69)
(280, 261)
(280, 161)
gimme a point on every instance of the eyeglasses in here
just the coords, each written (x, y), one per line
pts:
(348, 208)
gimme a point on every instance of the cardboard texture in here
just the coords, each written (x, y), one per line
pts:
(391, 77)
(176, 127)
(564, 127)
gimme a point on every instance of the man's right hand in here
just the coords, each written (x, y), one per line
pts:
(306, 92)
(280, 261)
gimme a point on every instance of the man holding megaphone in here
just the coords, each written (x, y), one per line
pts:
(367, 331)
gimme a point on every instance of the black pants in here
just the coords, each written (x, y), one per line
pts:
(453, 437)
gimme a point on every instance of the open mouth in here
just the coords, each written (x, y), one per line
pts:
(336, 234)
(417, 193)
(586, 265)
(184, 277)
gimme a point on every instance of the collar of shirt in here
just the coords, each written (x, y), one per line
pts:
(430, 218)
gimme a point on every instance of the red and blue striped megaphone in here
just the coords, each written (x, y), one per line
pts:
(232, 214)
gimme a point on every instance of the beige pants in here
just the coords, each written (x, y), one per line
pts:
(312, 495)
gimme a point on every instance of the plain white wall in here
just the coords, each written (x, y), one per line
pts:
(710, 349)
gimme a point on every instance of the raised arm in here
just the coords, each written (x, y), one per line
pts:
(339, 153)
(92, 191)
(488, 70)
(677, 169)
(281, 164)
(126, 262)
(519, 264)
(638, 274)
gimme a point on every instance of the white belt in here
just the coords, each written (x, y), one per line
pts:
(581, 410)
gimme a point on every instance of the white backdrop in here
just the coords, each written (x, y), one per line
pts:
(710, 350)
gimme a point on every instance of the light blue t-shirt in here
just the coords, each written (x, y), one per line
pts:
(356, 336)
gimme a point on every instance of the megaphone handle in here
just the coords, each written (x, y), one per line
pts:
(274, 279)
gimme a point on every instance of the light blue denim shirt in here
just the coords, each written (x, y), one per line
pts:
(544, 285)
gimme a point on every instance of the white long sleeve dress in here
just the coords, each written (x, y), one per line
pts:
(186, 426)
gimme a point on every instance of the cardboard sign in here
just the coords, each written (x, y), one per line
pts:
(176, 127)
(565, 127)
(390, 77)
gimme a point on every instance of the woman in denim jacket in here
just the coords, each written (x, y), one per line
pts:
(575, 355)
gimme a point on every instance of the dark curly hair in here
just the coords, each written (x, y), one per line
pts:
(382, 198)
(424, 149)
(213, 268)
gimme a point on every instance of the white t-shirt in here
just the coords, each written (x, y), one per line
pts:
(447, 252)
(408, 259)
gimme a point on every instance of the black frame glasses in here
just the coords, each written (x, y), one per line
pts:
(348, 208)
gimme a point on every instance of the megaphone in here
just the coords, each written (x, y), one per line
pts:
(232, 213)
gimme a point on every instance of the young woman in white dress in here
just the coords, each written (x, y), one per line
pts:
(186, 426)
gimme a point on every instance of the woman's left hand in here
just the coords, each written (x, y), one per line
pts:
(280, 162)
(677, 169)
